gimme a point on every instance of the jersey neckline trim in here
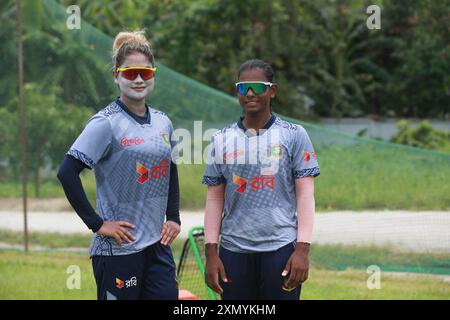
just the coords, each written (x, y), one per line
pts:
(269, 123)
(140, 120)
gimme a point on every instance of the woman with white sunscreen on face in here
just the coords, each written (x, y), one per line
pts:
(137, 215)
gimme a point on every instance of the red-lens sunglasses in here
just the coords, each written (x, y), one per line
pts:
(131, 73)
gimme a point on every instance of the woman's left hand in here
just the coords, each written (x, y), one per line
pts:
(169, 232)
(297, 267)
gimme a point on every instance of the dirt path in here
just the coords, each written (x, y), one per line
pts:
(405, 230)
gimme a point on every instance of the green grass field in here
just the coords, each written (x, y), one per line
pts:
(375, 177)
(44, 276)
(332, 257)
(337, 272)
(48, 240)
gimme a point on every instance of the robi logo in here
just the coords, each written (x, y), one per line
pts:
(256, 183)
(127, 283)
(241, 182)
(155, 172)
(307, 155)
(119, 283)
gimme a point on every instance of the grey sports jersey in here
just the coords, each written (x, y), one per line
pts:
(259, 171)
(131, 163)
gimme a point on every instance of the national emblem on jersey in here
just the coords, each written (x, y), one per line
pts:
(166, 138)
(275, 152)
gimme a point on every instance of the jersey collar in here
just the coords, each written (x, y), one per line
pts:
(266, 126)
(141, 120)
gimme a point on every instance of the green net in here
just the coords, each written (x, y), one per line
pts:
(190, 271)
(68, 77)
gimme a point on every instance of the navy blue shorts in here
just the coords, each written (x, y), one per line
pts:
(257, 276)
(149, 274)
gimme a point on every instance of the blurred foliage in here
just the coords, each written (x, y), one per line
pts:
(51, 126)
(327, 62)
(424, 136)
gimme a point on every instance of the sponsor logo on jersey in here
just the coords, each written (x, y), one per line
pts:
(154, 172)
(241, 182)
(308, 155)
(127, 283)
(228, 156)
(256, 183)
(124, 142)
(119, 283)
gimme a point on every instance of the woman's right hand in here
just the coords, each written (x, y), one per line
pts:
(117, 230)
(214, 268)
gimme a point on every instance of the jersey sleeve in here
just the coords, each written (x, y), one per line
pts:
(173, 141)
(213, 173)
(304, 158)
(173, 200)
(93, 143)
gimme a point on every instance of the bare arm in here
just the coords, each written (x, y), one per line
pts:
(304, 189)
(213, 218)
(297, 267)
(213, 213)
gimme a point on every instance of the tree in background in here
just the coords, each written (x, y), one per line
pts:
(62, 74)
(418, 59)
(61, 57)
(8, 52)
(52, 125)
(340, 72)
(328, 63)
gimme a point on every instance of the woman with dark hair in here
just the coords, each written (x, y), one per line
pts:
(260, 173)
